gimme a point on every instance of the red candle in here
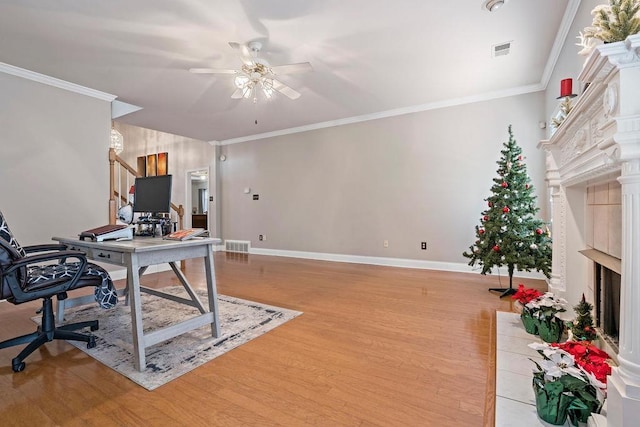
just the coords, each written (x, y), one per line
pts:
(565, 87)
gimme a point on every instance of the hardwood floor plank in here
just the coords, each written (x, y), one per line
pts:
(375, 346)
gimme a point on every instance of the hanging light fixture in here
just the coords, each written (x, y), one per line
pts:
(248, 86)
(117, 140)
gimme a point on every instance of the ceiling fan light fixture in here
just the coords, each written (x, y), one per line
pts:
(247, 91)
(493, 5)
(267, 88)
(241, 81)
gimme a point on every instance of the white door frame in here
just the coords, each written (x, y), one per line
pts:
(188, 202)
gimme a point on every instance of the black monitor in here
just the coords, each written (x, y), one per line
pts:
(152, 195)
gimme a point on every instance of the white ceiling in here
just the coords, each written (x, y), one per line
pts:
(370, 58)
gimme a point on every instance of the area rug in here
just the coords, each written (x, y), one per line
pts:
(240, 322)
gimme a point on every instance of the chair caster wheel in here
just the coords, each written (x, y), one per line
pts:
(92, 342)
(95, 327)
(18, 366)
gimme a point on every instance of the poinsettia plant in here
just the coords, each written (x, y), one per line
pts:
(563, 387)
(549, 313)
(524, 295)
(589, 357)
(547, 306)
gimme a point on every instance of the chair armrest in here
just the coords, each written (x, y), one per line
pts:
(45, 247)
(49, 256)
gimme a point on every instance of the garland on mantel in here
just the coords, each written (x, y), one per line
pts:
(612, 23)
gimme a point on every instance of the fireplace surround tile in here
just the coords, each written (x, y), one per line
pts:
(615, 231)
(601, 227)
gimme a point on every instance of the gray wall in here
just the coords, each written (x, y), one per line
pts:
(406, 179)
(54, 177)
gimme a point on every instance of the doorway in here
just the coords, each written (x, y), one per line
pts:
(197, 206)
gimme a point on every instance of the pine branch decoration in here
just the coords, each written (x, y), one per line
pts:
(565, 109)
(614, 22)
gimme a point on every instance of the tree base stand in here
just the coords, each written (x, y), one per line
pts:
(505, 292)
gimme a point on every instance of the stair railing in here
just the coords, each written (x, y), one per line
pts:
(121, 178)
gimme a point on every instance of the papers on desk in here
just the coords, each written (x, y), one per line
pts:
(108, 232)
(189, 233)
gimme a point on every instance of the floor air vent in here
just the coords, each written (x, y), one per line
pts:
(239, 246)
(500, 49)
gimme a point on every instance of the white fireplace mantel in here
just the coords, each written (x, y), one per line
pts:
(599, 141)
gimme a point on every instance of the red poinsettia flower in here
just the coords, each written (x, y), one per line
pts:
(588, 357)
(524, 295)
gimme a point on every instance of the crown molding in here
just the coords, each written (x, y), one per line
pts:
(561, 38)
(52, 81)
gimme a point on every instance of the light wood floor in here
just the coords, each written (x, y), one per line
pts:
(375, 346)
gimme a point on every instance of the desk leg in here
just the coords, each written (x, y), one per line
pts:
(133, 283)
(212, 291)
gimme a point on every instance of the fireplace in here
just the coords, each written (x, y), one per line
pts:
(598, 144)
(607, 304)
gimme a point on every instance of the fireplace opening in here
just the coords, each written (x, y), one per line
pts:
(607, 303)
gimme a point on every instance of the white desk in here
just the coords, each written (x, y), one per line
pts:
(138, 254)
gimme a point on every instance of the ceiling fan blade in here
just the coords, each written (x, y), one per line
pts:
(285, 90)
(301, 67)
(212, 71)
(238, 94)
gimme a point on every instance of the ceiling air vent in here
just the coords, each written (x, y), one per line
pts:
(500, 49)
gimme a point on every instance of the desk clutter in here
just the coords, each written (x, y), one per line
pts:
(151, 227)
(108, 232)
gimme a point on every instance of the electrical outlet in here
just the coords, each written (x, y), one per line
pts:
(262, 237)
(423, 246)
(385, 244)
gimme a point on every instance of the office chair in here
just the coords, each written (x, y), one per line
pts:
(46, 271)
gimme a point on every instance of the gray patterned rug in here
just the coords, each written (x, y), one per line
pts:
(240, 322)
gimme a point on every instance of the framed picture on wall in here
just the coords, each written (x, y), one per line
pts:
(142, 165)
(152, 164)
(163, 163)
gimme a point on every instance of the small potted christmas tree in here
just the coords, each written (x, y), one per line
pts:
(582, 327)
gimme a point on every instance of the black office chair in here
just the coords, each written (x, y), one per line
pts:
(44, 271)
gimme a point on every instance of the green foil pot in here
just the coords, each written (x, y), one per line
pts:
(530, 324)
(552, 403)
(550, 330)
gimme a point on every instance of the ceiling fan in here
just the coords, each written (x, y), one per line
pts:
(256, 74)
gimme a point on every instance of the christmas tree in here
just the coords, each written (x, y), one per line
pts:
(509, 234)
(582, 327)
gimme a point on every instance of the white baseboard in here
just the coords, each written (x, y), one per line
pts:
(391, 262)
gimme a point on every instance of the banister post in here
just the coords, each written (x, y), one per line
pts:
(112, 179)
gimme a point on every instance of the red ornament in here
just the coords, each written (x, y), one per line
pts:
(486, 218)
(490, 204)
(481, 231)
(526, 186)
(538, 231)
(505, 185)
(506, 209)
(496, 248)
(519, 157)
